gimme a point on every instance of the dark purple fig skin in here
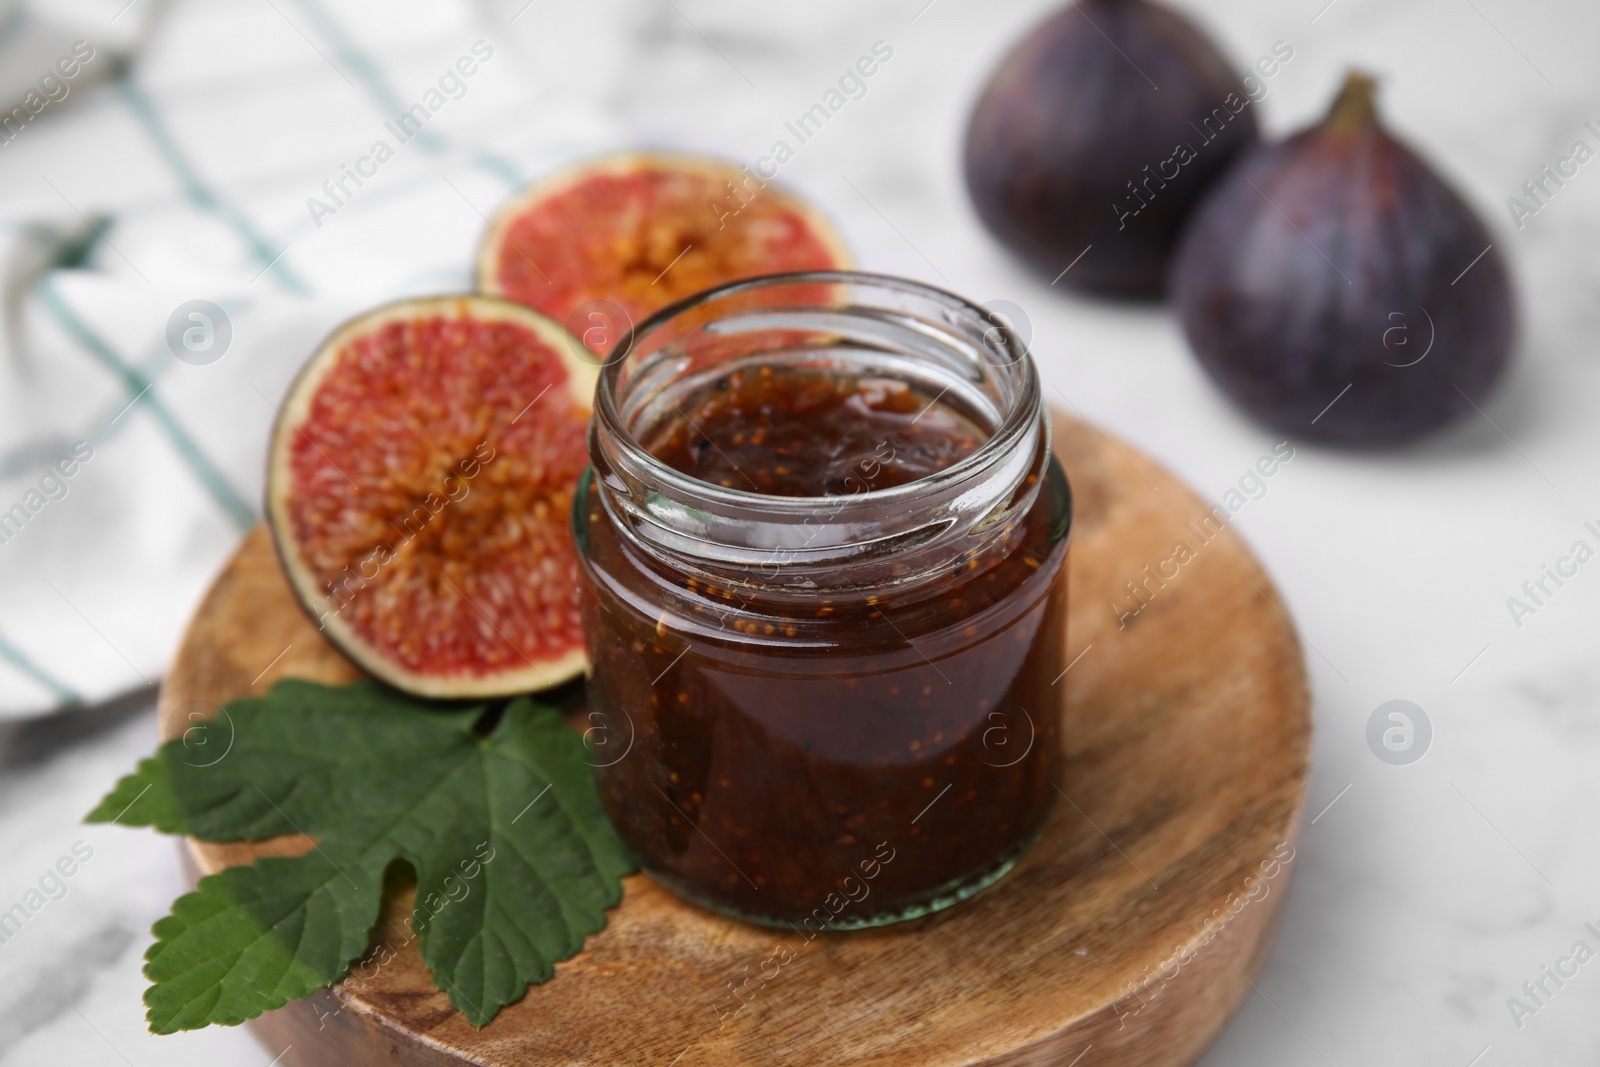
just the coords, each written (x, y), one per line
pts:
(1071, 117)
(1336, 259)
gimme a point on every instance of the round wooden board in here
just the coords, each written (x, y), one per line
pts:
(1126, 936)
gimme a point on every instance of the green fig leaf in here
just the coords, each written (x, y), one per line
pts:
(515, 862)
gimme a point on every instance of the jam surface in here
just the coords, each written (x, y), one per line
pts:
(840, 760)
(789, 432)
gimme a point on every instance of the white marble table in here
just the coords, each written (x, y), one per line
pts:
(1425, 895)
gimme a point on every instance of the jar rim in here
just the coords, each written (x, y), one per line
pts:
(1025, 408)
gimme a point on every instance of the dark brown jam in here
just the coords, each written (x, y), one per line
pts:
(870, 753)
(790, 432)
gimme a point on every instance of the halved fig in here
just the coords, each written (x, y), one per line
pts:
(419, 489)
(637, 231)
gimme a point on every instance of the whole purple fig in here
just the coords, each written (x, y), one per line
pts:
(1099, 132)
(1335, 287)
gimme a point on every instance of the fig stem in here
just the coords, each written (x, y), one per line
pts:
(1355, 109)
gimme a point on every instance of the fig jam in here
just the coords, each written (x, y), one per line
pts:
(828, 744)
(842, 762)
(788, 432)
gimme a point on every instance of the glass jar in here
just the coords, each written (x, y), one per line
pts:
(826, 709)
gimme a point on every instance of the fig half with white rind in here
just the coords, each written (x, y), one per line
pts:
(624, 236)
(1096, 137)
(419, 491)
(1337, 288)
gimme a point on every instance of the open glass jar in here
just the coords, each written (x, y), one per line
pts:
(823, 542)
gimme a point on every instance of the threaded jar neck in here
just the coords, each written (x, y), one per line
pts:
(830, 322)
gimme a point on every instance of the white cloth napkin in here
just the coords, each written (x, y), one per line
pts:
(192, 168)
